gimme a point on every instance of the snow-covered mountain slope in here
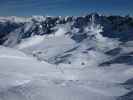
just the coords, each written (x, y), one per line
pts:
(66, 58)
(26, 78)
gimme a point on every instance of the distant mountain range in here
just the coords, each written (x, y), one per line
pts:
(113, 26)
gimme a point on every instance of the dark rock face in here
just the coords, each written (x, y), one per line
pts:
(121, 59)
(119, 27)
(114, 52)
(6, 28)
(128, 85)
(79, 38)
(128, 96)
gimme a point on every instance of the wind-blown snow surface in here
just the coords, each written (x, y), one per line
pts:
(65, 65)
(25, 78)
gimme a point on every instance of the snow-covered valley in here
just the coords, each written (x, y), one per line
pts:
(71, 58)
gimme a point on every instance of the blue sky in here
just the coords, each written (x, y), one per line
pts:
(64, 7)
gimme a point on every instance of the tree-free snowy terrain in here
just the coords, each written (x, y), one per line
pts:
(66, 58)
